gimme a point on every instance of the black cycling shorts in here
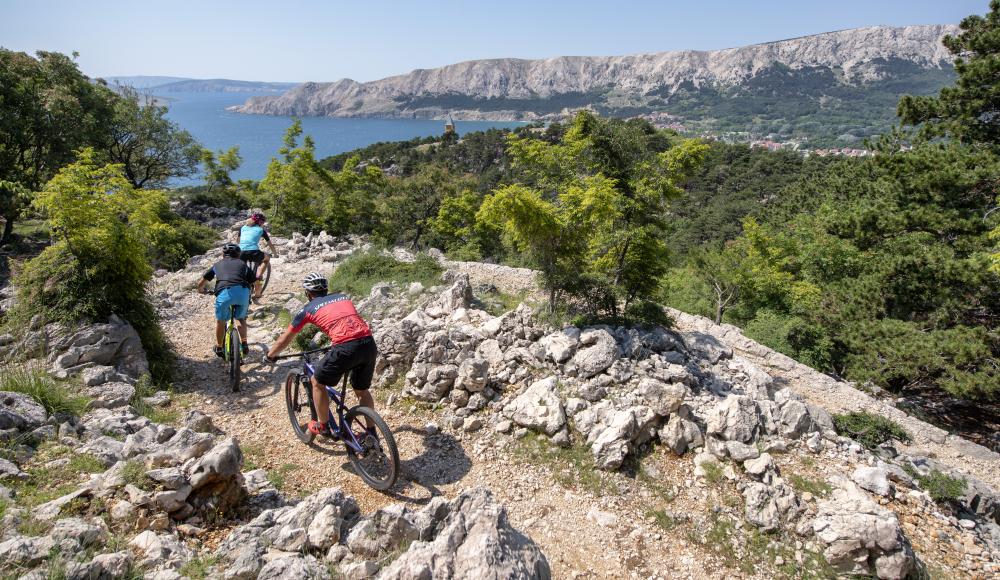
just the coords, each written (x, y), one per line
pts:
(355, 356)
(255, 256)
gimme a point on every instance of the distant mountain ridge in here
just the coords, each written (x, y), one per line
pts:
(832, 71)
(159, 84)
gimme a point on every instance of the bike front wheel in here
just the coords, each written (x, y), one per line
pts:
(235, 355)
(298, 400)
(378, 461)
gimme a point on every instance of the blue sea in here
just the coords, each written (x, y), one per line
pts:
(205, 116)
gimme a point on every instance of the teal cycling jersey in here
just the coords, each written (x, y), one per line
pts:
(250, 237)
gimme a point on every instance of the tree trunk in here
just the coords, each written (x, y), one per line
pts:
(8, 227)
(719, 307)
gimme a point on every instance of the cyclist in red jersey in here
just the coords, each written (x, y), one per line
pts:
(353, 348)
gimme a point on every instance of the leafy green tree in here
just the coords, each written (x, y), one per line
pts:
(104, 233)
(885, 281)
(408, 210)
(150, 148)
(218, 167)
(48, 110)
(590, 208)
(288, 186)
(303, 196)
(455, 228)
(970, 110)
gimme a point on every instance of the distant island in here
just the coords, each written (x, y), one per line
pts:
(161, 85)
(830, 89)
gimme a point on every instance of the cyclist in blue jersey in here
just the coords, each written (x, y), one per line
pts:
(232, 288)
(249, 240)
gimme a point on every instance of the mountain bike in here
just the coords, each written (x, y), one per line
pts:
(375, 458)
(264, 276)
(232, 351)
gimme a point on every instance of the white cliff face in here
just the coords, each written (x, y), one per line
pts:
(854, 53)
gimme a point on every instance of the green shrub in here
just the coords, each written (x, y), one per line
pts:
(55, 397)
(942, 487)
(107, 235)
(663, 519)
(134, 472)
(145, 388)
(868, 429)
(359, 273)
(194, 238)
(802, 484)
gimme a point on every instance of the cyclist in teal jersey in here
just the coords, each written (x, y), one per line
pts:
(249, 240)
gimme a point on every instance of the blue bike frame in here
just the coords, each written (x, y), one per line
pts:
(338, 400)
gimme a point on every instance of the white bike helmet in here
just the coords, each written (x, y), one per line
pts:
(314, 282)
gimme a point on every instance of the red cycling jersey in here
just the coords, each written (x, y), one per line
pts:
(335, 315)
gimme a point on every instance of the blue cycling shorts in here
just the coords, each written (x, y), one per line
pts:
(234, 295)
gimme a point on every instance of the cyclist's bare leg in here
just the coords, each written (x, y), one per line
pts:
(220, 332)
(322, 401)
(365, 399)
(242, 326)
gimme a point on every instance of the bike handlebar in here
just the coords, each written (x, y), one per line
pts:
(303, 353)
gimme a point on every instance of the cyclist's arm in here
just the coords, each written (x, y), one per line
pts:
(205, 279)
(282, 343)
(270, 244)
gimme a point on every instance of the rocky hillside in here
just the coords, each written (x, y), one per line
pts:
(877, 58)
(528, 450)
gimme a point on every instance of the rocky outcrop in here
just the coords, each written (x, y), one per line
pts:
(109, 352)
(472, 540)
(853, 54)
(861, 537)
(468, 537)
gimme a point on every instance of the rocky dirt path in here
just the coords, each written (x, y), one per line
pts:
(583, 535)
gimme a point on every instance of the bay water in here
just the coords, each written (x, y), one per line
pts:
(205, 116)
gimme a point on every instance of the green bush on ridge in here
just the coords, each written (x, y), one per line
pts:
(357, 274)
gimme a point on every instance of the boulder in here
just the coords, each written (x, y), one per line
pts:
(110, 395)
(107, 450)
(598, 350)
(680, 434)
(85, 533)
(160, 550)
(860, 537)
(20, 411)
(115, 344)
(735, 419)
(706, 347)
(560, 346)
(198, 422)
(473, 374)
(874, 479)
(768, 507)
(663, 398)
(539, 407)
(298, 566)
(474, 540)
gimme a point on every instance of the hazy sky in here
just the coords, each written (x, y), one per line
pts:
(300, 40)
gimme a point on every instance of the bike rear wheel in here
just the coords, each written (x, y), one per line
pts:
(234, 353)
(298, 401)
(378, 464)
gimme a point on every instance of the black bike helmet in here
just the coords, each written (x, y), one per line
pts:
(314, 282)
(231, 250)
